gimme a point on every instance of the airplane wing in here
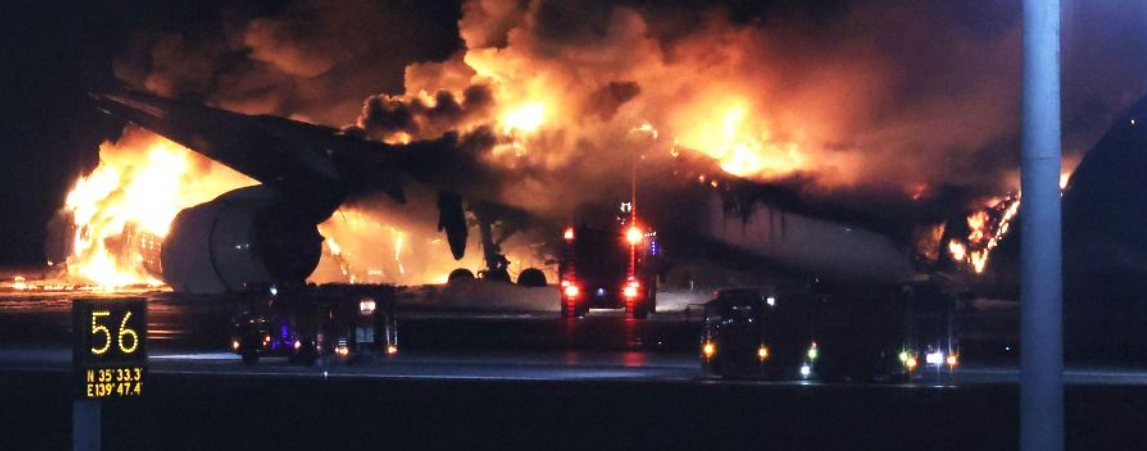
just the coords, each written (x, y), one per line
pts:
(315, 167)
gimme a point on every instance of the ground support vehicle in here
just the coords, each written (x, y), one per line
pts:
(907, 333)
(317, 324)
(746, 334)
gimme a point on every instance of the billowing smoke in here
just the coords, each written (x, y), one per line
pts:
(389, 118)
(313, 60)
(891, 102)
(894, 99)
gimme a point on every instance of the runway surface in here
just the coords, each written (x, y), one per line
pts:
(520, 380)
(191, 337)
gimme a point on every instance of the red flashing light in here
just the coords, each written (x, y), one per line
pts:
(630, 289)
(569, 235)
(571, 291)
(634, 235)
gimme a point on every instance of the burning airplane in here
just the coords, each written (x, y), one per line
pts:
(741, 145)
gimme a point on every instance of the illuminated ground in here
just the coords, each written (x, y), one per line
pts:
(504, 381)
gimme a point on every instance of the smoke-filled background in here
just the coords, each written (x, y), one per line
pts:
(880, 103)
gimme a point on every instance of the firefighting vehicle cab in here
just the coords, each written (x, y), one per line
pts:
(609, 268)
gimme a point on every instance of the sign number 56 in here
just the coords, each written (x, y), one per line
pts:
(126, 339)
(109, 332)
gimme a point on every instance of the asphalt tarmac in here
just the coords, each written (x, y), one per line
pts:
(518, 381)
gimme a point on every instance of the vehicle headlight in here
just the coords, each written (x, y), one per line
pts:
(366, 306)
(709, 349)
(934, 358)
(763, 352)
(813, 352)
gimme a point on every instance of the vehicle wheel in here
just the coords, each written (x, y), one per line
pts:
(360, 358)
(459, 274)
(497, 275)
(304, 356)
(640, 310)
(831, 369)
(532, 277)
(726, 369)
(863, 373)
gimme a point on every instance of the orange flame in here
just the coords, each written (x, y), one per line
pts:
(379, 246)
(741, 143)
(124, 208)
(986, 229)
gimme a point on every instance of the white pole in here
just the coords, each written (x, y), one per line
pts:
(1041, 278)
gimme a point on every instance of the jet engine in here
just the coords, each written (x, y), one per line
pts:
(245, 239)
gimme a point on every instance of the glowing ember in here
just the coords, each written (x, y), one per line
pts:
(124, 208)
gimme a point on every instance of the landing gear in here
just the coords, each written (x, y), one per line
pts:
(568, 311)
(574, 310)
(532, 277)
(459, 274)
(642, 307)
(305, 355)
(638, 309)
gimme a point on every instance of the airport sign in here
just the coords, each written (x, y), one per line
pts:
(109, 352)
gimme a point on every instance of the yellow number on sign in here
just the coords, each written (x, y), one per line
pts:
(97, 329)
(123, 330)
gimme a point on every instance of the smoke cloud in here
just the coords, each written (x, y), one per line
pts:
(894, 102)
(313, 60)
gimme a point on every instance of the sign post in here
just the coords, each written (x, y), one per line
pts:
(109, 360)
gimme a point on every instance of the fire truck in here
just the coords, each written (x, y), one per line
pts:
(610, 268)
(317, 323)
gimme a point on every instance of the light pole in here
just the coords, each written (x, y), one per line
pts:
(1041, 260)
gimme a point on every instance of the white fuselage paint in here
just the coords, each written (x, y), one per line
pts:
(826, 249)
